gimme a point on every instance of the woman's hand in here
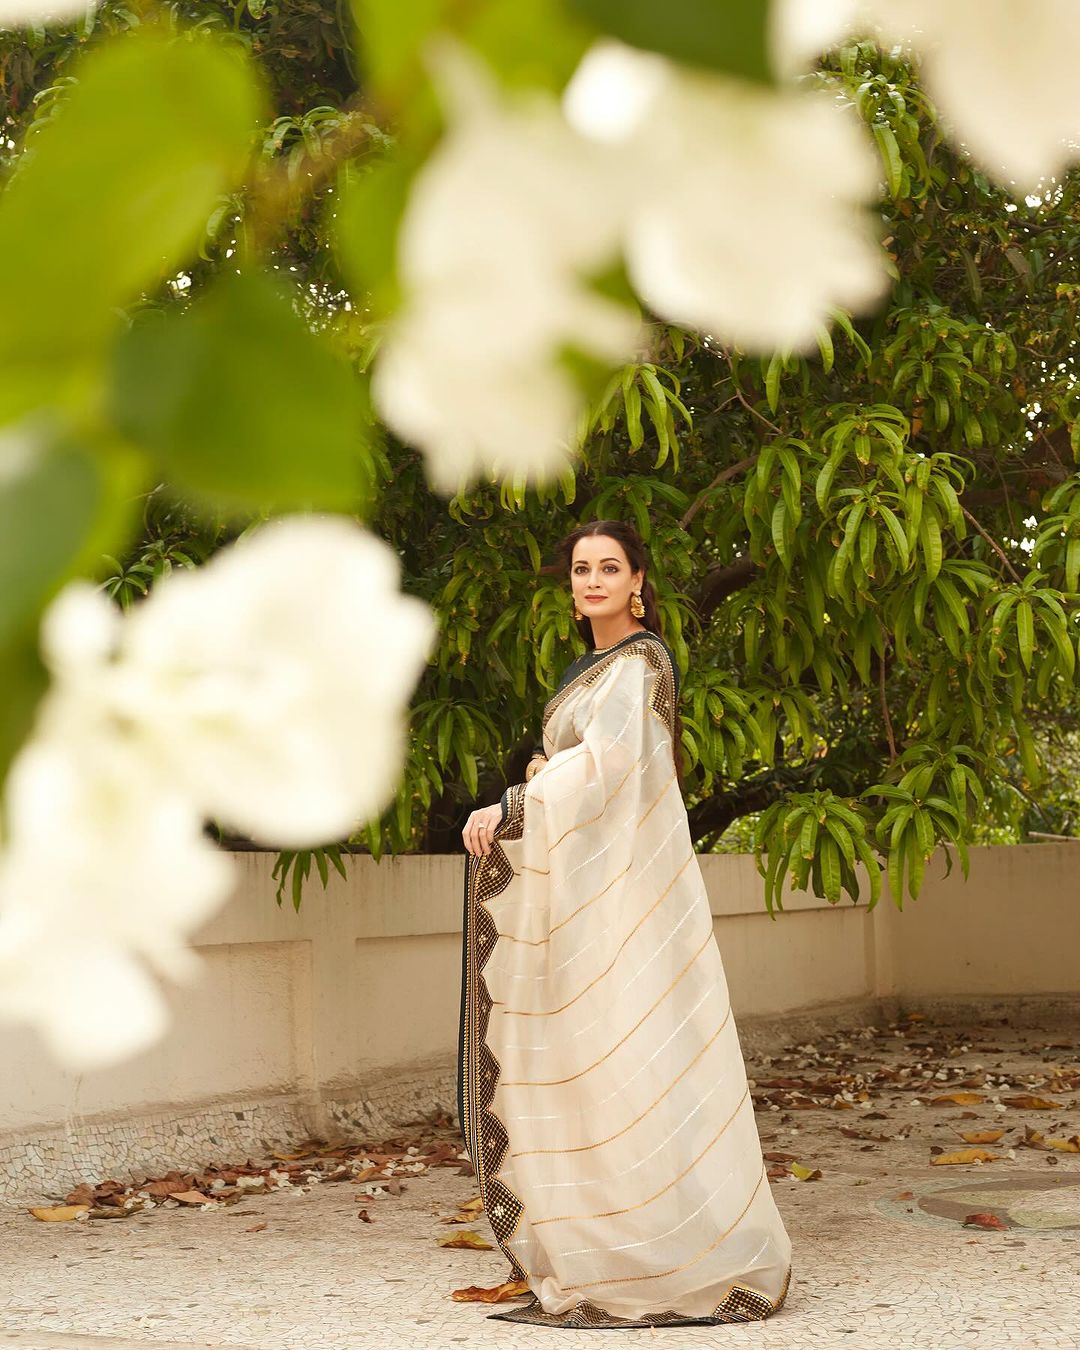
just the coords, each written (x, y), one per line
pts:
(480, 827)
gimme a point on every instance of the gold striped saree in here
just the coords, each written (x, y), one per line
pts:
(602, 1090)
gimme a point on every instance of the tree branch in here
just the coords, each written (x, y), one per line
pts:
(993, 544)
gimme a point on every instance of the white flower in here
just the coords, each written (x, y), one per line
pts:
(748, 221)
(801, 30)
(105, 866)
(1003, 76)
(274, 681)
(505, 221)
(26, 13)
(267, 690)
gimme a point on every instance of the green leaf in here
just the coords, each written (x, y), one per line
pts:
(779, 529)
(49, 500)
(772, 381)
(369, 205)
(1025, 632)
(930, 540)
(890, 157)
(242, 404)
(734, 39)
(118, 188)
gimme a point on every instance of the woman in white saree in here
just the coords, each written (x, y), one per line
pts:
(602, 1091)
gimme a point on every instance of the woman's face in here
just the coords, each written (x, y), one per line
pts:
(601, 568)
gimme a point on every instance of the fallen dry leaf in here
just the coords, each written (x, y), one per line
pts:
(804, 1173)
(1033, 1139)
(965, 1155)
(58, 1213)
(498, 1293)
(980, 1136)
(1027, 1102)
(189, 1197)
(958, 1099)
(467, 1238)
(365, 1216)
(986, 1220)
(905, 1195)
(256, 1227)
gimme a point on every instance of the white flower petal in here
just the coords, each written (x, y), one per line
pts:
(505, 222)
(79, 630)
(275, 680)
(1003, 76)
(800, 30)
(753, 227)
(24, 13)
(92, 1004)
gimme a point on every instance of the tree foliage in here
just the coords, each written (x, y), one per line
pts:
(868, 560)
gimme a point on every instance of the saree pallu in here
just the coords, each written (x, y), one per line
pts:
(602, 1090)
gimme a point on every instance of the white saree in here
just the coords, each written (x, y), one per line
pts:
(602, 1090)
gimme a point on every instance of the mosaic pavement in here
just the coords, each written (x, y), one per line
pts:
(882, 1258)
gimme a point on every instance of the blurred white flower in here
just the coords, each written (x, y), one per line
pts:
(505, 222)
(1002, 74)
(105, 866)
(36, 13)
(274, 682)
(800, 30)
(267, 690)
(750, 219)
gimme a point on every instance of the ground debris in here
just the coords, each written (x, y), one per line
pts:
(381, 1168)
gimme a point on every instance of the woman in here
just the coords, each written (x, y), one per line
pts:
(602, 1091)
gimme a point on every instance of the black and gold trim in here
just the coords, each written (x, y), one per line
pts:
(740, 1304)
(478, 1070)
(662, 699)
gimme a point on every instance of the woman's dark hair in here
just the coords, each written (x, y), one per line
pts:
(638, 557)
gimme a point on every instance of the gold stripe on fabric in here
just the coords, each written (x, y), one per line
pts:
(613, 1213)
(593, 819)
(540, 942)
(662, 1274)
(656, 799)
(584, 1148)
(515, 1012)
(557, 1082)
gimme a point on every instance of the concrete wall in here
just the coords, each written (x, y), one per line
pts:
(345, 1015)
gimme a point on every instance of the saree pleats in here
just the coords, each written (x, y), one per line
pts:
(602, 1091)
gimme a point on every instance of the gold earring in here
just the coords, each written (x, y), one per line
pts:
(637, 606)
(577, 612)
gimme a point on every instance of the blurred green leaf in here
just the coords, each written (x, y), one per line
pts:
(241, 403)
(731, 38)
(115, 191)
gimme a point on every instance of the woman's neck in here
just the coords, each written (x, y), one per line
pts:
(606, 635)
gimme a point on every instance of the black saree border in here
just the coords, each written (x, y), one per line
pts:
(485, 1137)
(662, 699)
(742, 1303)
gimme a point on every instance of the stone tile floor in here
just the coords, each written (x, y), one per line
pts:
(874, 1266)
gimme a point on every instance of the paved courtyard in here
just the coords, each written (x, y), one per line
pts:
(883, 1256)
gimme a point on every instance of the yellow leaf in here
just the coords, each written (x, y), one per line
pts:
(59, 1213)
(804, 1173)
(964, 1155)
(958, 1099)
(467, 1238)
(499, 1293)
(980, 1136)
(1027, 1102)
(1034, 1139)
